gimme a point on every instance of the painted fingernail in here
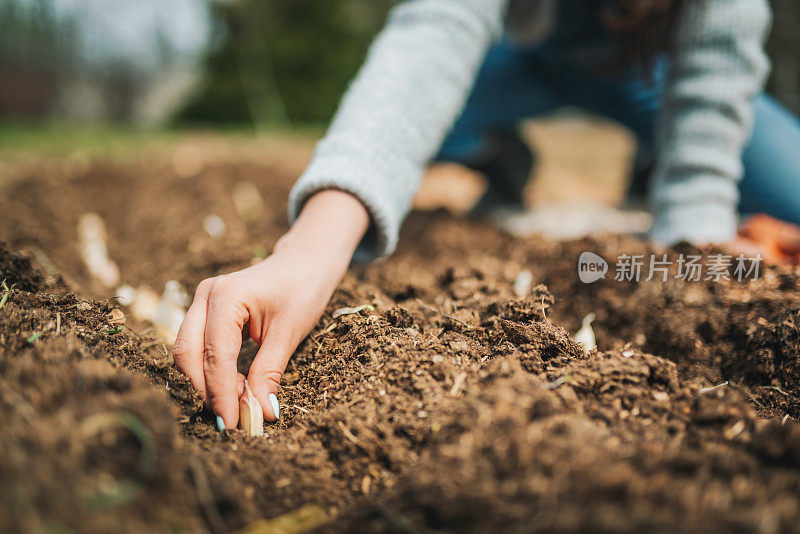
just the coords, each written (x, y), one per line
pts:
(276, 409)
(220, 424)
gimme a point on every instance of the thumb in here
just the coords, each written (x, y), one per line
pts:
(267, 368)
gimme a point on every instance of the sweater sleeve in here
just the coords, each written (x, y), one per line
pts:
(396, 112)
(719, 67)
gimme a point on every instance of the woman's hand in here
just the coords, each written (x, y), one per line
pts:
(776, 241)
(279, 301)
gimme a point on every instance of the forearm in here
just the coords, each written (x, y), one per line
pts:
(399, 107)
(719, 67)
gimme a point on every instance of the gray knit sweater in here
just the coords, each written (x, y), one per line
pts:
(420, 70)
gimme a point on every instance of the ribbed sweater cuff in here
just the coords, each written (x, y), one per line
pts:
(347, 172)
(698, 223)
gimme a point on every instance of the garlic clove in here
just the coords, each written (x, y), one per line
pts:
(214, 226)
(522, 284)
(92, 237)
(585, 336)
(171, 311)
(248, 201)
(251, 416)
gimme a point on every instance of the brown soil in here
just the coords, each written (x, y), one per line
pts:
(453, 406)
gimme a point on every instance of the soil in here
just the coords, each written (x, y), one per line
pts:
(453, 406)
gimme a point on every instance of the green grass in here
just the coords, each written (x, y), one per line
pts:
(36, 139)
(63, 138)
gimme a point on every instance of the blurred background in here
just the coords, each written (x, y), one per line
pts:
(153, 63)
(88, 76)
(231, 63)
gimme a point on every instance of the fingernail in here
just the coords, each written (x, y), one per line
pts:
(220, 424)
(276, 409)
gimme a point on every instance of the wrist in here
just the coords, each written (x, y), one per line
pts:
(328, 229)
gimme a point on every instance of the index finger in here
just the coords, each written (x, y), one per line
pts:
(188, 348)
(222, 342)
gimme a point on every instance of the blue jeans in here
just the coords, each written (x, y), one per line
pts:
(516, 84)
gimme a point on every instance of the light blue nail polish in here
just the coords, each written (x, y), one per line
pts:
(220, 424)
(276, 408)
